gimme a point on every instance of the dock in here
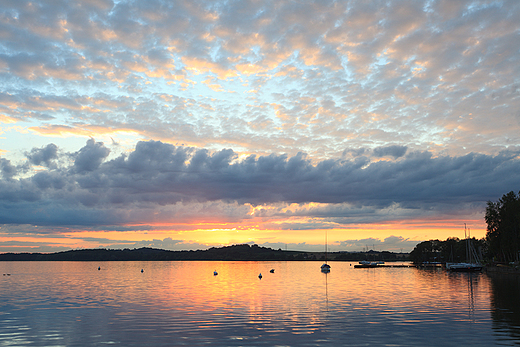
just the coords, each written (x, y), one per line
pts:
(373, 266)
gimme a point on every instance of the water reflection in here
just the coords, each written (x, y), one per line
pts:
(184, 303)
(505, 302)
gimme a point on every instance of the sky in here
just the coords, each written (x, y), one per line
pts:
(288, 124)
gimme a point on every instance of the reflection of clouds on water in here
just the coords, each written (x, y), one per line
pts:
(505, 304)
(183, 303)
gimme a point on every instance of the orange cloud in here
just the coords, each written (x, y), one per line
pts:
(199, 66)
(6, 119)
(79, 130)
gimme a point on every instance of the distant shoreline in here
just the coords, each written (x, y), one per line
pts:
(243, 252)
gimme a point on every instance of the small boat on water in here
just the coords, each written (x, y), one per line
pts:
(464, 267)
(364, 264)
(325, 268)
(472, 264)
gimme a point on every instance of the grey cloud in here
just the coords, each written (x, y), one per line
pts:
(7, 169)
(46, 180)
(391, 243)
(30, 247)
(43, 156)
(157, 175)
(91, 156)
(355, 152)
(393, 151)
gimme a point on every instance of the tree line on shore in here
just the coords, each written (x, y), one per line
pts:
(240, 252)
(500, 245)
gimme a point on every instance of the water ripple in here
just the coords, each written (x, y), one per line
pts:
(184, 304)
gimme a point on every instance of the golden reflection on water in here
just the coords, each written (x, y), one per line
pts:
(75, 303)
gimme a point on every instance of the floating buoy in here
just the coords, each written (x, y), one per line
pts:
(142, 270)
(99, 268)
(260, 276)
(272, 271)
(215, 273)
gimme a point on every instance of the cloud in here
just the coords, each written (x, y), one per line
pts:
(394, 151)
(43, 156)
(167, 243)
(159, 182)
(90, 157)
(391, 243)
(333, 112)
(7, 169)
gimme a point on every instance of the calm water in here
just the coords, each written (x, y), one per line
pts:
(183, 303)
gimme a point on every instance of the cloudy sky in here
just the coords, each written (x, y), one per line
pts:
(191, 124)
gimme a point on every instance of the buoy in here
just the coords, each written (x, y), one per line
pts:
(99, 268)
(142, 270)
(272, 271)
(215, 273)
(260, 276)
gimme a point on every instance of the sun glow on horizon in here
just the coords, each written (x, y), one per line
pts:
(396, 236)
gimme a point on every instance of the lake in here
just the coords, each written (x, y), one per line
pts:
(184, 304)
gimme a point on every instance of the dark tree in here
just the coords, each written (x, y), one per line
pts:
(426, 251)
(503, 227)
(451, 250)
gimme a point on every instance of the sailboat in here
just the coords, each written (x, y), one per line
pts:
(472, 263)
(325, 267)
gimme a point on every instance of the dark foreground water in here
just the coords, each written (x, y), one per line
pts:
(183, 303)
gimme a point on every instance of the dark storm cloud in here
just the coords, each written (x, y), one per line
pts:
(94, 190)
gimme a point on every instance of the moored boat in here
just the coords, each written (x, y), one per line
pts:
(325, 267)
(472, 264)
(463, 267)
(364, 264)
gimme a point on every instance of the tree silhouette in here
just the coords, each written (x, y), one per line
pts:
(503, 227)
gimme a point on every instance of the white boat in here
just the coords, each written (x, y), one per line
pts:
(363, 264)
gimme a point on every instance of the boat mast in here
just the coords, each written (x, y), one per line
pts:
(325, 246)
(467, 243)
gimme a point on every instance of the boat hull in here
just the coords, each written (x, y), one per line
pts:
(464, 267)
